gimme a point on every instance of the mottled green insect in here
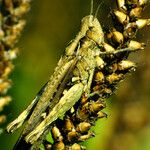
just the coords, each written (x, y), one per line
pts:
(70, 81)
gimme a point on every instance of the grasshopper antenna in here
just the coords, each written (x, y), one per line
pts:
(99, 5)
(91, 13)
(91, 10)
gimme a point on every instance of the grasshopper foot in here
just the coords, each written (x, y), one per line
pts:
(17, 122)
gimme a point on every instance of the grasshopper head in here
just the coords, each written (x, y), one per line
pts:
(93, 29)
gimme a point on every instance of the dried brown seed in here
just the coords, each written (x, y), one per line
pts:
(82, 113)
(84, 99)
(4, 86)
(68, 124)
(10, 40)
(134, 45)
(143, 2)
(83, 127)
(4, 101)
(113, 67)
(121, 5)
(87, 136)
(22, 9)
(96, 88)
(126, 64)
(17, 28)
(56, 134)
(142, 22)
(122, 17)
(113, 78)
(130, 30)
(59, 146)
(9, 5)
(8, 69)
(11, 54)
(106, 91)
(118, 37)
(101, 114)
(47, 145)
(136, 12)
(108, 47)
(130, 2)
(1, 34)
(2, 119)
(75, 146)
(96, 106)
(72, 135)
(99, 62)
(99, 77)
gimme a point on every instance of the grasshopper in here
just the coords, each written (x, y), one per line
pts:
(74, 70)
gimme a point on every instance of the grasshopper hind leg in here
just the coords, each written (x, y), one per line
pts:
(66, 102)
(18, 122)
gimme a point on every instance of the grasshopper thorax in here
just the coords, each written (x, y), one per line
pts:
(93, 29)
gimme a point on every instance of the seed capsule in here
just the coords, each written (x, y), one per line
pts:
(10, 40)
(11, 54)
(96, 88)
(82, 113)
(99, 77)
(4, 86)
(72, 135)
(75, 146)
(1, 34)
(122, 17)
(116, 36)
(106, 91)
(68, 125)
(96, 106)
(8, 69)
(22, 9)
(9, 5)
(17, 28)
(99, 62)
(47, 145)
(101, 114)
(136, 12)
(142, 2)
(142, 22)
(84, 99)
(135, 45)
(2, 119)
(121, 5)
(83, 127)
(113, 68)
(130, 30)
(87, 136)
(108, 47)
(56, 134)
(59, 146)
(4, 101)
(126, 65)
(131, 2)
(113, 78)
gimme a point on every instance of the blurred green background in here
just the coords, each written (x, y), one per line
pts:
(50, 26)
